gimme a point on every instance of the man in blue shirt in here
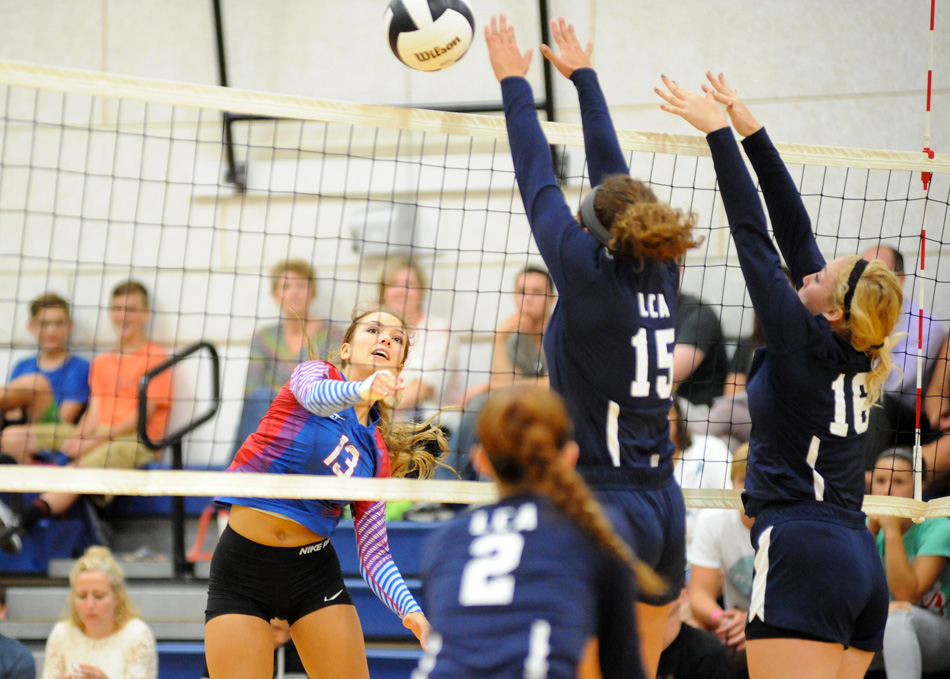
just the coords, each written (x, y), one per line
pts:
(16, 661)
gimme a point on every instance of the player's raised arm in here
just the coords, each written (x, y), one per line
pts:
(506, 58)
(604, 155)
(569, 56)
(791, 223)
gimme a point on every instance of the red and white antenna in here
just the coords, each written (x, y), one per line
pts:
(925, 176)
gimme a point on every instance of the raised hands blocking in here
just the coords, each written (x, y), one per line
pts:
(700, 111)
(742, 120)
(506, 59)
(572, 56)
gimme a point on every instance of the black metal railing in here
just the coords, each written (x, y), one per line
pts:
(182, 567)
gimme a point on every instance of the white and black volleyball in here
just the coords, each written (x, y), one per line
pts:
(429, 35)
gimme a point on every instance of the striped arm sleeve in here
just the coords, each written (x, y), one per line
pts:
(376, 562)
(317, 392)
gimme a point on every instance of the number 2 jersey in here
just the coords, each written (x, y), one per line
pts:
(609, 342)
(312, 428)
(807, 387)
(517, 589)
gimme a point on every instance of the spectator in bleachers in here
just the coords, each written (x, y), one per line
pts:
(107, 433)
(700, 362)
(741, 360)
(16, 661)
(103, 637)
(689, 652)
(894, 422)
(721, 559)
(277, 349)
(729, 420)
(915, 555)
(51, 386)
(729, 417)
(517, 358)
(699, 461)
(402, 288)
(937, 410)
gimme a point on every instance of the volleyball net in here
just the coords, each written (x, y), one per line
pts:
(105, 178)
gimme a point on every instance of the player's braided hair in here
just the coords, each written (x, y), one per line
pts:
(641, 227)
(523, 431)
(875, 306)
(411, 445)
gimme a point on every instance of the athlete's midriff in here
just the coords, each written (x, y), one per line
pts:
(270, 529)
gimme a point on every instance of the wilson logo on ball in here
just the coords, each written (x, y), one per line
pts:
(429, 35)
(437, 51)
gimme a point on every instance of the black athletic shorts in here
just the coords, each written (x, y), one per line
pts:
(273, 582)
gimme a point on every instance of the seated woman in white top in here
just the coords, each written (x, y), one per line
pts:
(102, 638)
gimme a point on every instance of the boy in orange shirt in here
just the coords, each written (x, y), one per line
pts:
(105, 435)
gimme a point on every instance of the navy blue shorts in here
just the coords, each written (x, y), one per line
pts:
(249, 578)
(656, 519)
(817, 576)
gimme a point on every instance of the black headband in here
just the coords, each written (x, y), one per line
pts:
(859, 267)
(589, 217)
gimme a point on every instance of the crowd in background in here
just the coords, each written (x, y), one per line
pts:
(57, 407)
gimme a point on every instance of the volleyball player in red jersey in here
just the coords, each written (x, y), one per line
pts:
(275, 559)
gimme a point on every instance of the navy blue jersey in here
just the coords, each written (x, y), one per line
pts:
(517, 589)
(610, 339)
(807, 387)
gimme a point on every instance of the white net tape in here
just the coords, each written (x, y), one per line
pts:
(392, 117)
(200, 484)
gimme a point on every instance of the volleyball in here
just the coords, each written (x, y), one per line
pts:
(429, 35)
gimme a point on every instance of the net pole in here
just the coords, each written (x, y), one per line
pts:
(925, 178)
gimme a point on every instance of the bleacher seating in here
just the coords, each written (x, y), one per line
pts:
(175, 609)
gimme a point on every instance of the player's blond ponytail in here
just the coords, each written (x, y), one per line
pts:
(871, 310)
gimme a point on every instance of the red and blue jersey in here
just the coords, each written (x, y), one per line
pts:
(312, 428)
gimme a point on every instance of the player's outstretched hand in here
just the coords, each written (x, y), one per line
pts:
(702, 112)
(381, 384)
(506, 59)
(572, 56)
(742, 120)
(420, 627)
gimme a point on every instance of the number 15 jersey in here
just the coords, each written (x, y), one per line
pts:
(610, 340)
